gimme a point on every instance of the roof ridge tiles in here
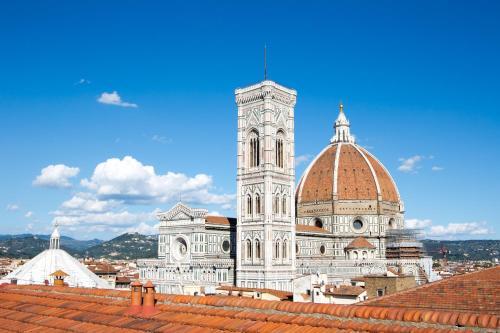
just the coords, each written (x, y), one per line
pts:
(233, 313)
(439, 283)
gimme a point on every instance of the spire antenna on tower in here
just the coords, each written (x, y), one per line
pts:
(265, 62)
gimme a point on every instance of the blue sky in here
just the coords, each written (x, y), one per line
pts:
(111, 109)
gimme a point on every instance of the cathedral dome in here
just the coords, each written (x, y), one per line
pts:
(345, 171)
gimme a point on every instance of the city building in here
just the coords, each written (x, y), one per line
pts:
(104, 271)
(335, 222)
(384, 284)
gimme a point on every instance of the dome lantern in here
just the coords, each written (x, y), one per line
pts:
(55, 238)
(341, 126)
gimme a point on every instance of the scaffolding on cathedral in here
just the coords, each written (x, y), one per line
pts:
(404, 244)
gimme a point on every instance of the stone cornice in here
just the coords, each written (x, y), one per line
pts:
(263, 90)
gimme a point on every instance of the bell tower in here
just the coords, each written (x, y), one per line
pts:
(265, 186)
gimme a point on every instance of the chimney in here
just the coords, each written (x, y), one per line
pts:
(135, 297)
(59, 276)
(149, 299)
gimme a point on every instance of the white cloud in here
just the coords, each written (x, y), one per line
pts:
(106, 219)
(82, 81)
(464, 230)
(302, 159)
(437, 168)
(56, 176)
(12, 207)
(29, 227)
(409, 164)
(88, 203)
(160, 139)
(114, 99)
(130, 181)
(29, 215)
(143, 228)
(460, 229)
(117, 183)
(417, 223)
(84, 214)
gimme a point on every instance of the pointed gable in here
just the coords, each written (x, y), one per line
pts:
(182, 212)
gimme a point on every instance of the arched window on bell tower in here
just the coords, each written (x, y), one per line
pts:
(257, 204)
(285, 249)
(279, 149)
(248, 249)
(257, 249)
(254, 149)
(249, 205)
(277, 245)
(276, 204)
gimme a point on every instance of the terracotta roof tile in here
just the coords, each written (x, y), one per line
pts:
(278, 293)
(477, 292)
(214, 219)
(345, 291)
(387, 186)
(44, 308)
(310, 229)
(355, 178)
(317, 184)
(360, 243)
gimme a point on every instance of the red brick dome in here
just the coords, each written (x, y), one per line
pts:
(345, 171)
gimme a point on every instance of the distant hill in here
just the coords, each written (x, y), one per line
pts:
(78, 245)
(134, 246)
(126, 246)
(464, 249)
(66, 241)
(27, 246)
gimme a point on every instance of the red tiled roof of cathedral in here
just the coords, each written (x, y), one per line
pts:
(360, 243)
(310, 228)
(348, 172)
(214, 219)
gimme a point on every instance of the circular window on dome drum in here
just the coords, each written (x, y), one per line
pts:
(322, 249)
(357, 224)
(318, 223)
(226, 245)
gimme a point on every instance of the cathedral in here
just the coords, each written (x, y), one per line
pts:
(345, 218)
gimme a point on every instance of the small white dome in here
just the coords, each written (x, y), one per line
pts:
(40, 268)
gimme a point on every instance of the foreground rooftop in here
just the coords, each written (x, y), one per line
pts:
(477, 292)
(61, 309)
